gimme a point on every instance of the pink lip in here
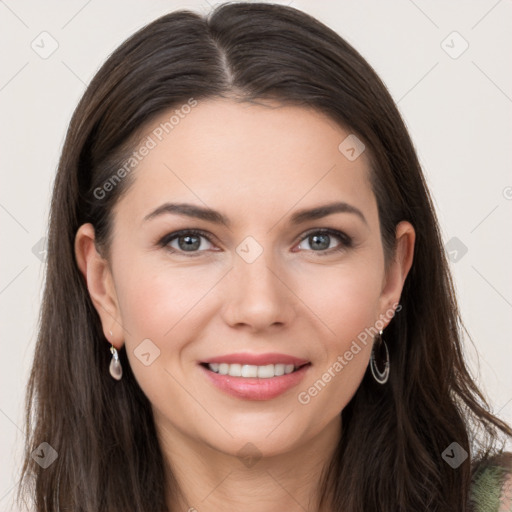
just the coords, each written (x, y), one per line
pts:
(255, 388)
(257, 359)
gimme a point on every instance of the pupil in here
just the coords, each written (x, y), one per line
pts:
(188, 244)
(324, 245)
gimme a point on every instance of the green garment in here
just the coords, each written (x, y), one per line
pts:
(488, 494)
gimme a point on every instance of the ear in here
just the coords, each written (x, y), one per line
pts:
(399, 267)
(100, 283)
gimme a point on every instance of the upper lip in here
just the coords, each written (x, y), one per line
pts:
(257, 359)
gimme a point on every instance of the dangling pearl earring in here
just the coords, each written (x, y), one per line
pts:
(115, 368)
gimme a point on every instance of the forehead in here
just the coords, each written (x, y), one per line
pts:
(256, 157)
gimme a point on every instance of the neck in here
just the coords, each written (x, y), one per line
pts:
(202, 478)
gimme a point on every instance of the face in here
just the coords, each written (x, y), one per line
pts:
(259, 288)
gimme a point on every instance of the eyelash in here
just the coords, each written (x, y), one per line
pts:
(346, 241)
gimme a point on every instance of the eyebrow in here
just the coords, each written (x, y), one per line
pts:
(207, 214)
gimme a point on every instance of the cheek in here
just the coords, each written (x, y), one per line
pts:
(167, 304)
(347, 302)
(345, 298)
(154, 298)
(157, 301)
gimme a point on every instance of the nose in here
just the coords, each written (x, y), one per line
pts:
(257, 295)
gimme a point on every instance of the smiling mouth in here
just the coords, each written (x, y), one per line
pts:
(253, 371)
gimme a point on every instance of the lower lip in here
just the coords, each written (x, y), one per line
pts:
(255, 388)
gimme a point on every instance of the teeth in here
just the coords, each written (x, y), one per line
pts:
(248, 370)
(278, 369)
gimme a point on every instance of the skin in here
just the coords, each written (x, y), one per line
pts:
(257, 164)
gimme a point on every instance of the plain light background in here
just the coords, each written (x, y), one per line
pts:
(456, 101)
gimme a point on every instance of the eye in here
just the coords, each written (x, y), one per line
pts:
(320, 241)
(187, 240)
(191, 241)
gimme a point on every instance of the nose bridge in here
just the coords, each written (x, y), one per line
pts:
(257, 295)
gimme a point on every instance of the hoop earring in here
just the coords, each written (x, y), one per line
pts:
(115, 368)
(380, 377)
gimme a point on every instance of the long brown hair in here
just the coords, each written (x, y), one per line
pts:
(390, 454)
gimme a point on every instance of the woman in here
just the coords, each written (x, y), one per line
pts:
(247, 303)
